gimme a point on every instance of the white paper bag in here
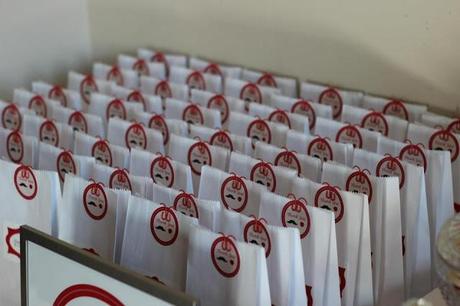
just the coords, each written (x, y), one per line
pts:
(29, 197)
(79, 121)
(221, 271)
(438, 121)
(12, 115)
(66, 97)
(48, 131)
(224, 104)
(394, 107)
(249, 92)
(156, 242)
(287, 86)
(168, 59)
(119, 75)
(142, 67)
(134, 135)
(223, 71)
(195, 79)
(41, 105)
(86, 85)
(318, 240)
(18, 148)
(306, 166)
(334, 97)
(107, 107)
(164, 89)
(192, 113)
(292, 121)
(162, 169)
(149, 103)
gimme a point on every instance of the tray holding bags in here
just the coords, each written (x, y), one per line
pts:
(221, 271)
(249, 92)
(149, 103)
(164, 89)
(18, 148)
(156, 242)
(85, 85)
(29, 197)
(107, 107)
(306, 166)
(54, 133)
(291, 120)
(195, 79)
(79, 121)
(287, 86)
(41, 105)
(385, 227)
(224, 104)
(234, 192)
(282, 250)
(192, 113)
(351, 215)
(119, 75)
(394, 107)
(222, 138)
(162, 169)
(321, 148)
(318, 242)
(142, 67)
(224, 71)
(276, 179)
(66, 97)
(197, 154)
(134, 135)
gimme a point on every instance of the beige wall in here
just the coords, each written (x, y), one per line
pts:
(404, 48)
(41, 39)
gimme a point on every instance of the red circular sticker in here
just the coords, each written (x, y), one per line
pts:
(101, 152)
(304, 108)
(78, 121)
(192, 114)
(295, 214)
(141, 67)
(332, 97)
(267, 80)
(359, 182)
(414, 155)
(95, 201)
(219, 103)
(350, 134)
(137, 97)
(195, 80)
(65, 165)
(164, 226)
(161, 58)
(119, 179)
(375, 121)
(327, 197)
(199, 156)
(234, 193)
(281, 117)
(87, 86)
(390, 166)
(444, 141)
(115, 109)
(262, 173)
(49, 133)
(258, 130)
(225, 256)
(214, 69)
(57, 93)
(115, 75)
(250, 93)
(162, 172)
(396, 108)
(320, 148)
(135, 137)
(157, 122)
(289, 160)
(185, 204)
(38, 105)
(25, 182)
(256, 233)
(15, 146)
(72, 295)
(163, 90)
(221, 139)
(11, 117)
(454, 127)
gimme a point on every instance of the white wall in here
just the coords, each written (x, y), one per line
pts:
(403, 48)
(41, 39)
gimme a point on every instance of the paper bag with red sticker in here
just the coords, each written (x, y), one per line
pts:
(81, 122)
(318, 242)
(164, 89)
(287, 86)
(87, 216)
(162, 169)
(395, 107)
(149, 103)
(291, 120)
(118, 75)
(384, 221)
(156, 241)
(192, 113)
(18, 148)
(107, 107)
(41, 105)
(224, 71)
(48, 131)
(167, 59)
(142, 67)
(351, 213)
(65, 97)
(12, 115)
(195, 79)
(439, 121)
(249, 92)
(235, 272)
(29, 197)
(85, 85)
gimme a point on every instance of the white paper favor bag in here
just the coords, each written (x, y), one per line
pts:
(168, 59)
(291, 120)
(119, 75)
(107, 107)
(287, 86)
(192, 113)
(249, 92)
(86, 85)
(162, 124)
(79, 121)
(223, 71)
(41, 105)
(142, 67)
(66, 97)
(394, 107)
(12, 115)
(195, 79)
(51, 132)
(439, 121)
(18, 148)
(149, 103)
(164, 89)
